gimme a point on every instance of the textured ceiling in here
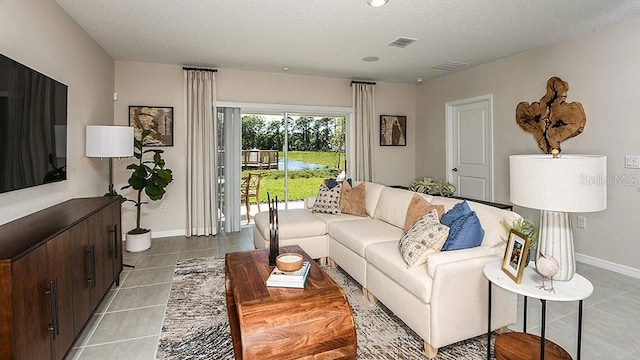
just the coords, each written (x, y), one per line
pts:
(330, 37)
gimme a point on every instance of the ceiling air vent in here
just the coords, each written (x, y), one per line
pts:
(402, 42)
(450, 65)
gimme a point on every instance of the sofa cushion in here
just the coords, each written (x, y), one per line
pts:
(328, 218)
(328, 200)
(353, 200)
(392, 206)
(373, 195)
(465, 230)
(358, 234)
(427, 235)
(293, 223)
(419, 207)
(386, 258)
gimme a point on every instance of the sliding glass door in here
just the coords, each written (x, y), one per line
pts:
(292, 153)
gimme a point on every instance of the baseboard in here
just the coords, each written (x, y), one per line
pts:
(608, 265)
(168, 233)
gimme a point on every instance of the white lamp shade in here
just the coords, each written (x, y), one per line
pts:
(569, 183)
(109, 141)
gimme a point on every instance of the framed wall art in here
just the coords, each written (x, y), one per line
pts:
(157, 119)
(393, 130)
(515, 255)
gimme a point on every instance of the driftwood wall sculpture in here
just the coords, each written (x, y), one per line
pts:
(552, 120)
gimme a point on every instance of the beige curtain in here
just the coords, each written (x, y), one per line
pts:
(200, 93)
(364, 109)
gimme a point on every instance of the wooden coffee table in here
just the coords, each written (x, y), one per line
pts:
(282, 323)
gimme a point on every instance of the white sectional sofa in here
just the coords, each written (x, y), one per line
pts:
(444, 301)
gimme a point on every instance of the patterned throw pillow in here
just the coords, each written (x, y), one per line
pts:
(328, 200)
(426, 236)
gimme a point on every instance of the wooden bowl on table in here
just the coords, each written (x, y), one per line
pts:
(289, 261)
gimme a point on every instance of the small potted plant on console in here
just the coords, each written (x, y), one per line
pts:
(148, 176)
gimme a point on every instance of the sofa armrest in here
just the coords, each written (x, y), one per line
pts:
(445, 257)
(309, 202)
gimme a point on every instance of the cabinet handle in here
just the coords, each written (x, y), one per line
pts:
(90, 265)
(93, 265)
(114, 250)
(53, 307)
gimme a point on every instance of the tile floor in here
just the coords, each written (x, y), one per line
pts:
(128, 321)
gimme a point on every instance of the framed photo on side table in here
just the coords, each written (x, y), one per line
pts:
(515, 255)
(157, 119)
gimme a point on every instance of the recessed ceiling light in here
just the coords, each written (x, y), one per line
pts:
(370, 58)
(377, 3)
(419, 80)
(285, 69)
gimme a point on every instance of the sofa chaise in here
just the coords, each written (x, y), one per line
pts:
(444, 301)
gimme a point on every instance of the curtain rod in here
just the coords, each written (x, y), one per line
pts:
(199, 69)
(361, 82)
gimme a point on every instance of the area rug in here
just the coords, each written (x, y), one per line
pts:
(196, 324)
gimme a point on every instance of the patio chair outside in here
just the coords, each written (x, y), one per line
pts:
(249, 189)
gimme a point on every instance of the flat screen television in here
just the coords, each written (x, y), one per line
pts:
(33, 127)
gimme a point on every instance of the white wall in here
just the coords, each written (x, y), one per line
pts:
(40, 35)
(602, 71)
(156, 84)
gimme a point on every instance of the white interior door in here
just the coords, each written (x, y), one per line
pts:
(470, 147)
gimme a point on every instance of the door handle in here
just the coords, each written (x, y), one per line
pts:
(454, 169)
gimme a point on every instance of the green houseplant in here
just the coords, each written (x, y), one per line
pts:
(432, 187)
(151, 177)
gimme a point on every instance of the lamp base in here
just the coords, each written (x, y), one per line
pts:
(556, 240)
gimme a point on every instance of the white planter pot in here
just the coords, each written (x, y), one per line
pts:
(139, 242)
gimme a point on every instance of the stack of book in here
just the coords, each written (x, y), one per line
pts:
(290, 279)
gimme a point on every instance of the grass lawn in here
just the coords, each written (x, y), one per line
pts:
(302, 183)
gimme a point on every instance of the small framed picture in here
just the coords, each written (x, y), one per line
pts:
(393, 130)
(515, 256)
(157, 119)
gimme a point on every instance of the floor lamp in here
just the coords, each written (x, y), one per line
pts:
(558, 186)
(109, 142)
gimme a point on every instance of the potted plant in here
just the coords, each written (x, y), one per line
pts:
(149, 176)
(432, 187)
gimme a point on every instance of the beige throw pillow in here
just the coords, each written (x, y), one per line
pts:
(352, 200)
(426, 236)
(419, 207)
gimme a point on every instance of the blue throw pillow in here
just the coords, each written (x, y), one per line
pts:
(459, 210)
(465, 230)
(464, 233)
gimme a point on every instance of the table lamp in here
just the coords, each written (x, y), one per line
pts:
(557, 186)
(109, 142)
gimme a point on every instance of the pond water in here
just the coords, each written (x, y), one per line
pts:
(298, 165)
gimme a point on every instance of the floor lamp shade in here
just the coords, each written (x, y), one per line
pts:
(558, 186)
(109, 141)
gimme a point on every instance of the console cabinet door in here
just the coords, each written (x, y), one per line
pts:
(81, 263)
(100, 226)
(116, 220)
(59, 260)
(31, 306)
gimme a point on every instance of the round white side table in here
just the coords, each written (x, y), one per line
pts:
(576, 289)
